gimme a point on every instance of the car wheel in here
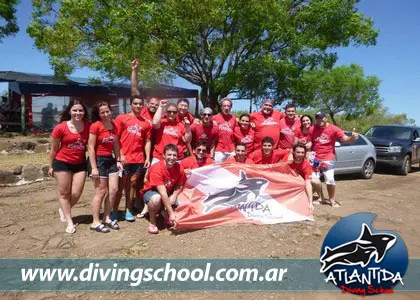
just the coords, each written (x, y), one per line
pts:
(406, 166)
(367, 169)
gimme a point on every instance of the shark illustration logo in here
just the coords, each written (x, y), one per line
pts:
(359, 251)
(360, 260)
(241, 193)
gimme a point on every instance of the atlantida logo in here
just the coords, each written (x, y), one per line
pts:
(361, 260)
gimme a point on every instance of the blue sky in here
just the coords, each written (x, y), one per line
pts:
(395, 59)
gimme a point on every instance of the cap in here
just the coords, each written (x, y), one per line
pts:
(320, 114)
(206, 110)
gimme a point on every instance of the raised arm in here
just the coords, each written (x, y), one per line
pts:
(134, 80)
(158, 115)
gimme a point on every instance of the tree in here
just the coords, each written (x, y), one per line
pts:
(8, 18)
(341, 90)
(248, 47)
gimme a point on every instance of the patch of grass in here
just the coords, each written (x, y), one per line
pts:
(8, 162)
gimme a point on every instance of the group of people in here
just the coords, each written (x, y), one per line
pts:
(149, 152)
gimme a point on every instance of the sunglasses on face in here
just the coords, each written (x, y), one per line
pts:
(200, 150)
(206, 115)
(171, 111)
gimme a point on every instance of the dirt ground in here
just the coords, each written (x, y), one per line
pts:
(30, 228)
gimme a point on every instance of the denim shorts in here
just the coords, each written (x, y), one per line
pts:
(107, 165)
(148, 195)
(132, 169)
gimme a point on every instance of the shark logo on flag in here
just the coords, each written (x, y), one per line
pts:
(238, 193)
(245, 189)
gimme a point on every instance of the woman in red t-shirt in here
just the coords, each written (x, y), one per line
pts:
(67, 158)
(103, 141)
(303, 132)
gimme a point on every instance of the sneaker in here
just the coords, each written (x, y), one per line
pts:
(129, 216)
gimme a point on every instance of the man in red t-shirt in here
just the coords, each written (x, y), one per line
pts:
(266, 123)
(267, 154)
(170, 131)
(164, 182)
(183, 114)
(289, 127)
(240, 155)
(134, 134)
(304, 169)
(245, 134)
(225, 138)
(205, 131)
(149, 110)
(198, 159)
(323, 136)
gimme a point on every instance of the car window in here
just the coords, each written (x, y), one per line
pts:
(359, 142)
(389, 132)
(415, 134)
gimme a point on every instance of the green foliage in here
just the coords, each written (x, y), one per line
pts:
(252, 48)
(8, 18)
(340, 90)
(380, 116)
(238, 113)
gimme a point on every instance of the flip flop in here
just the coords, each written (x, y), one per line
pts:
(335, 204)
(100, 228)
(62, 216)
(112, 225)
(152, 229)
(141, 215)
(71, 230)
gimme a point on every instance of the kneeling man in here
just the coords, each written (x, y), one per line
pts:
(164, 183)
(304, 169)
(240, 155)
(267, 154)
(198, 159)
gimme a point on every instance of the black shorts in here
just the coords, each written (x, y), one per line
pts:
(131, 169)
(107, 165)
(61, 166)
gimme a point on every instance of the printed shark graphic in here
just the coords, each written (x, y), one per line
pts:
(356, 252)
(360, 256)
(237, 194)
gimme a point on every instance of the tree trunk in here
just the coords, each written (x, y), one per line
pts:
(332, 118)
(209, 98)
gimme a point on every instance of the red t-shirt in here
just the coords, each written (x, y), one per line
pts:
(192, 163)
(169, 133)
(144, 112)
(277, 156)
(72, 145)
(159, 174)
(189, 116)
(323, 141)
(105, 138)
(234, 159)
(245, 137)
(303, 137)
(225, 136)
(288, 131)
(204, 133)
(304, 169)
(133, 132)
(266, 126)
